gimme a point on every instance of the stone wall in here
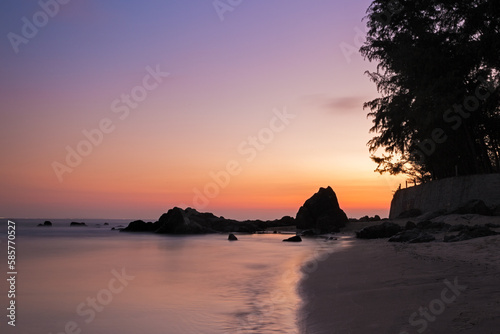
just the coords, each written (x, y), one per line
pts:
(447, 194)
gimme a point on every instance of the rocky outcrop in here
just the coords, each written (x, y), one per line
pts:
(46, 223)
(178, 221)
(232, 237)
(77, 224)
(321, 213)
(385, 230)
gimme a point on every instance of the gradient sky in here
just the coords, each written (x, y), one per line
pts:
(227, 80)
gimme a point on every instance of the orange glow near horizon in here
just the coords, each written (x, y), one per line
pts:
(289, 114)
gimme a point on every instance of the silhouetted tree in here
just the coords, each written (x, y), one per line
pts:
(438, 76)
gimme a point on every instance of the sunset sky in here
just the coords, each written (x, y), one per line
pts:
(114, 109)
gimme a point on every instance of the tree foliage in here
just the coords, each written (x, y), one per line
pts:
(438, 75)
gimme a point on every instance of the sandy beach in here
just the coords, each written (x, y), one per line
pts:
(379, 287)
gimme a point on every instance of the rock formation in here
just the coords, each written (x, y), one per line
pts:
(321, 213)
(190, 221)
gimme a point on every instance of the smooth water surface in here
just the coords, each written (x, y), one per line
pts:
(101, 281)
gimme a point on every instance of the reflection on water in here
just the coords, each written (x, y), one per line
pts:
(82, 278)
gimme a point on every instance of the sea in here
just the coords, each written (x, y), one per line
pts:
(92, 279)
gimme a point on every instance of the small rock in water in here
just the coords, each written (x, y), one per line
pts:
(232, 237)
(296, 238)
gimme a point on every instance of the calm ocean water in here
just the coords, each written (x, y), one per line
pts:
(98, 281)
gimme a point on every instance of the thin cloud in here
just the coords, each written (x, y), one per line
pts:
(336, 105)
(345, 104)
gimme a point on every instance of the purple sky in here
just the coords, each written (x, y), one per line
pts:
(88, 62)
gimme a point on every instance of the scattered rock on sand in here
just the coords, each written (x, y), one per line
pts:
(457, 228)
(412, 236)
(496, 210)
(472, 232)
(385, 230)
(410, 225)
(295, 238)
(232, 237)
(430, 225)
(474, 206)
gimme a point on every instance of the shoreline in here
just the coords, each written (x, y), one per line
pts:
(375, 286)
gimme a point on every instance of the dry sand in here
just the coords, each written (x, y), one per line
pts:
(379, 287)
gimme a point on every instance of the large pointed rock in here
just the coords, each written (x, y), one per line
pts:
(321, 213)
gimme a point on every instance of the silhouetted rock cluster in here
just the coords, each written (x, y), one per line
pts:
(375, 218)
(77, 224)
(46, 223)
(321, 213)
(190, 221)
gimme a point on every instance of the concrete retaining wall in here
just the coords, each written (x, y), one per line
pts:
(447, 194)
